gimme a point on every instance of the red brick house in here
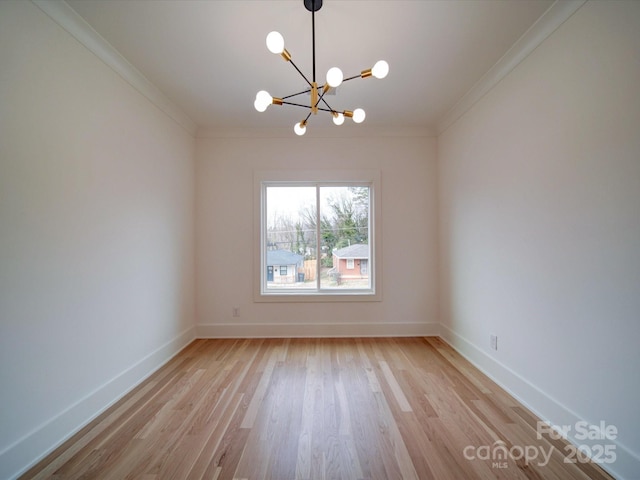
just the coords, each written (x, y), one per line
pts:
(352, 262)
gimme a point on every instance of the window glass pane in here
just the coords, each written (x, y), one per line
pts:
(290, 237)
(344, 237)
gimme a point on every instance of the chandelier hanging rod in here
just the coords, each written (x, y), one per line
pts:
(275, 44)
(313, 33)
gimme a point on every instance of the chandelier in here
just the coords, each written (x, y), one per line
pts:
(334, 78)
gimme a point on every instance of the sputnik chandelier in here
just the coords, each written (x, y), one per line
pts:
(275, 44)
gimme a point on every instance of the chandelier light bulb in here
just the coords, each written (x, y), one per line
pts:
(300, 128)
(334, 77)
(263, 100)
(259, 106)
(380, 69)
(264, 97)
(358, 115)
(275, 42)
(338, 118)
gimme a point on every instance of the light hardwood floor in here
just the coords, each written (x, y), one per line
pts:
(370, 408)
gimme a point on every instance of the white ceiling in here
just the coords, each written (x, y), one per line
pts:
(209, 56)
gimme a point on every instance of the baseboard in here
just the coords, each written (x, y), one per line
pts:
(303, 330)
(33, 447)
(547, 408)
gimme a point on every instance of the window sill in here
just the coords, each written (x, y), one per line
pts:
(297, 297)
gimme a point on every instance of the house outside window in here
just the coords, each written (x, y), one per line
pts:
(305, 219)
(281, 267)
(352, 263)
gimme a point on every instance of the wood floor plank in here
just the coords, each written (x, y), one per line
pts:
(303, 409)
(398, 394)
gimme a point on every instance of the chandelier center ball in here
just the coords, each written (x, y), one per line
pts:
(313, 5)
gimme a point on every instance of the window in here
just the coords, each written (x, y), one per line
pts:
(319, 233)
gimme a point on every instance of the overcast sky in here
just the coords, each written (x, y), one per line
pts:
(288, 201)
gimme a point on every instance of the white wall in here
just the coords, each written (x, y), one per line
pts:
(96, 235)
(225, 169)
(539, 199)
(540, 227)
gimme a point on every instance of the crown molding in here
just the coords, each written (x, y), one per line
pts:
(358, 131)
(61, 13)
(548, 23)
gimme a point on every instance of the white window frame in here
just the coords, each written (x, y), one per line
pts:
(371, 178)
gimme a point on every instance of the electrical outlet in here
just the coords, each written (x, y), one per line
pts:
(493, 339)
(236, 312)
